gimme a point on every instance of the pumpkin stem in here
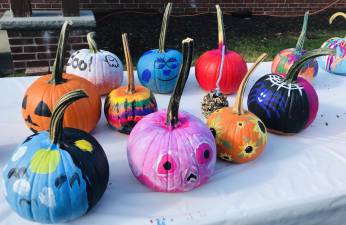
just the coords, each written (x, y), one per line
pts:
(131, 81)
(56, 123)
(301, 39)
(164, 25)
(238, 104)
(220, 26)
(173, 107)
(58, 67)
(332, 18)
(293, 72)
(223, 50)
(92, 43)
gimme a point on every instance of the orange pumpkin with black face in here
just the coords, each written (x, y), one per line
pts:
(41, 97)
(240, 135)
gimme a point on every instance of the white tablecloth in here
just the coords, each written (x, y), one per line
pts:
(298, 179)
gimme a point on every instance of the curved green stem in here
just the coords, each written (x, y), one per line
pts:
(164, 25)
(293, 72)
(220, 26)
(92, 43)
(173, 107)
(238, 104)
(56, 123)
(301, 39)
(58, 67)
(129, 65)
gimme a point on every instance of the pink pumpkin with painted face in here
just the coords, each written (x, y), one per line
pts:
(170, 151)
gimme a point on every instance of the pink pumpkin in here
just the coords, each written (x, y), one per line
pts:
(170, 151)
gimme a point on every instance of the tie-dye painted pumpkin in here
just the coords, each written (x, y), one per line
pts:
(101, 68)
(42, 95)
(286, 105)
(57, 175)
(240, 135)
(334, 64)
(170, 151)
(208, 65)
(283, 61)
(125, 106)
(158, 68)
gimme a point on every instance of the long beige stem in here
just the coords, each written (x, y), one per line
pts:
(131, 80)
(238, 104)
(220, 26)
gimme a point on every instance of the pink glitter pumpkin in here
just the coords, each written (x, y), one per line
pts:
(170, 151)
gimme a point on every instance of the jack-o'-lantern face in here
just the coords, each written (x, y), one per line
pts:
(41, 110)
(41, 97)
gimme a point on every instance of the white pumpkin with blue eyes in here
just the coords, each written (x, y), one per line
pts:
(158, 68)
(102, 68)
(57, 175)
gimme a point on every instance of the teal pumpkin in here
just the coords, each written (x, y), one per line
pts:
(57, 175)
(158, 68)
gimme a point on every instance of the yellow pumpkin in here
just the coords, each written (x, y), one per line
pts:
(240, 135)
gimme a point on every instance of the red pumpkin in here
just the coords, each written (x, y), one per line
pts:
(210, 63)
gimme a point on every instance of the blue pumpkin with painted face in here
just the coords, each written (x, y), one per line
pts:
(57, 175)
(158, 69)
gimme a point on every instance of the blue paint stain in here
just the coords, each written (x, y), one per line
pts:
(146, 75)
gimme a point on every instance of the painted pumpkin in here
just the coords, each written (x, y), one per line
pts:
(170, 151)
(286, 105)
(335, 64)
(285, 59)
(41, 97)
(125, 106)
(208, 65)
(101, 68)
(57, 175)
(158, 68)
(240, 135)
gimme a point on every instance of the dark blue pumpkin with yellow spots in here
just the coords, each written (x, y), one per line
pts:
(57, 175)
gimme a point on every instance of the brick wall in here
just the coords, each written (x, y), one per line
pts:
(260, 7)
(37, 48)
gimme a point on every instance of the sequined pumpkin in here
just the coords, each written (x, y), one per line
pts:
(334, 64)
(124, 110)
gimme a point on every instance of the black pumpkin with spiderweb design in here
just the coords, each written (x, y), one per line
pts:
(286, 105)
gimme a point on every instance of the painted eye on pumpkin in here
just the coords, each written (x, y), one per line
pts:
(42, 109)
(204, 153)
(172, 63)
(167, 165)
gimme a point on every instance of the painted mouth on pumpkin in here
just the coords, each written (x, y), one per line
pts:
(29, 120)
(191, 178)
(167, 79)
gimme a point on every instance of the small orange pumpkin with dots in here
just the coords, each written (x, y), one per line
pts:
(240, 135)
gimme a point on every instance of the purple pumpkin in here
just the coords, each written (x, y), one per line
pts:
(170, 151)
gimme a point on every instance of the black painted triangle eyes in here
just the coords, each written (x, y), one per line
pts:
(42, 109)
(24, 102)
